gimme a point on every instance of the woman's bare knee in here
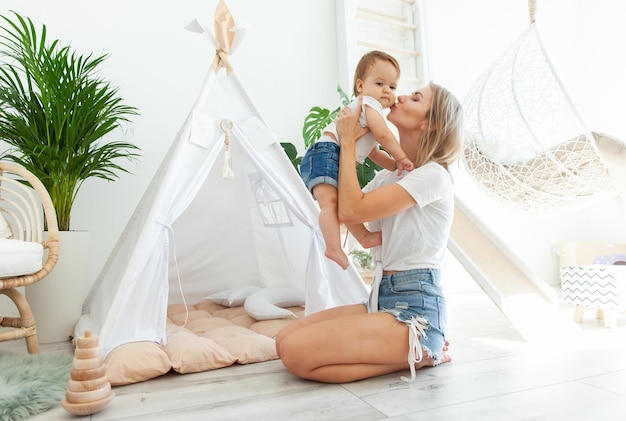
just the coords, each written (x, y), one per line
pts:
(289, 355)
(280, 337)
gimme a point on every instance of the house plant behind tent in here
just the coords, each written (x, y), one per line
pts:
(54, 111)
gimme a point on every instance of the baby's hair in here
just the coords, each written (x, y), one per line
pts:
(368, 61)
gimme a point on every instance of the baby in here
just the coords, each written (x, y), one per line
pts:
(375, 79)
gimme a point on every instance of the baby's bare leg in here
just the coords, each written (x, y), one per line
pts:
(326, 196)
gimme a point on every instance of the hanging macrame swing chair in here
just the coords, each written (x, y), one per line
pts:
(525, 141)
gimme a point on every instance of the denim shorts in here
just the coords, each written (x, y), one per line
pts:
(415, 294)
(320, 165)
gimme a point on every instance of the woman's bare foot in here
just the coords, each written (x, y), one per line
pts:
(445, 357)
(446, 345)
(337, 256)
(430, 362)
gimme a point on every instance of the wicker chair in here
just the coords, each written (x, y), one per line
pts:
(22, 199)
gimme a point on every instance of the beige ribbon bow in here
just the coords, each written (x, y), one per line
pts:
(224, 35)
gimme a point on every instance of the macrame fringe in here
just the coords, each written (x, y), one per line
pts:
(227, 170)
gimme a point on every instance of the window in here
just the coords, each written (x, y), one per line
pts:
(393, 26)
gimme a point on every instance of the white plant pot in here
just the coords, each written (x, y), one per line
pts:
(56, 301)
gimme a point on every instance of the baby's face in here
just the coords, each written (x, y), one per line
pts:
(380, 82)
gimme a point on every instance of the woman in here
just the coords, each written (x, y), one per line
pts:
(411, 215)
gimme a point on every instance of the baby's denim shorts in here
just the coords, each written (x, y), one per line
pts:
(320, 165)
(417, 295)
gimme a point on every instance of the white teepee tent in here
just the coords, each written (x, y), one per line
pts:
(225, 209)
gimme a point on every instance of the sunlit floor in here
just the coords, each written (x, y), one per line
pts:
(494, 375)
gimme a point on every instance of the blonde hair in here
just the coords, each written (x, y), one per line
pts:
(368, 61)
(443, 139)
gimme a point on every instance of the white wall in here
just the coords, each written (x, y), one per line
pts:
(159, 68)
(288, 62)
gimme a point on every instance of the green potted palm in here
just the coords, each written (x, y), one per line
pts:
(363, 260)
(55, 110)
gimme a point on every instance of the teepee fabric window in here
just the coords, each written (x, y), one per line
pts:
(271, 207)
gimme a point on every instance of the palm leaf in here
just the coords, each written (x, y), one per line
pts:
(292, 153)
(314, 123)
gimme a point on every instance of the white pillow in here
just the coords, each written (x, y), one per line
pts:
(5, 231)
(19, 257)
(267, 303)
(233, 297)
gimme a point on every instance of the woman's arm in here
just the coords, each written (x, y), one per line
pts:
(364, 236)
(355, 206)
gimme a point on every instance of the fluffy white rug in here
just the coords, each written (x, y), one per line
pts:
(31, 384)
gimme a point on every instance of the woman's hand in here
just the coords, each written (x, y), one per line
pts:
(348, 128)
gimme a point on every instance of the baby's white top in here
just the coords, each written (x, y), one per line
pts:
(365, 144)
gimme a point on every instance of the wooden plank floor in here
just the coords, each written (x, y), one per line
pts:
(494, 375)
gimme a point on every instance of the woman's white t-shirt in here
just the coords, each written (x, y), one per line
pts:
(418, 236)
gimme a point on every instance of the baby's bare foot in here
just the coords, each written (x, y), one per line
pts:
(337, 256)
